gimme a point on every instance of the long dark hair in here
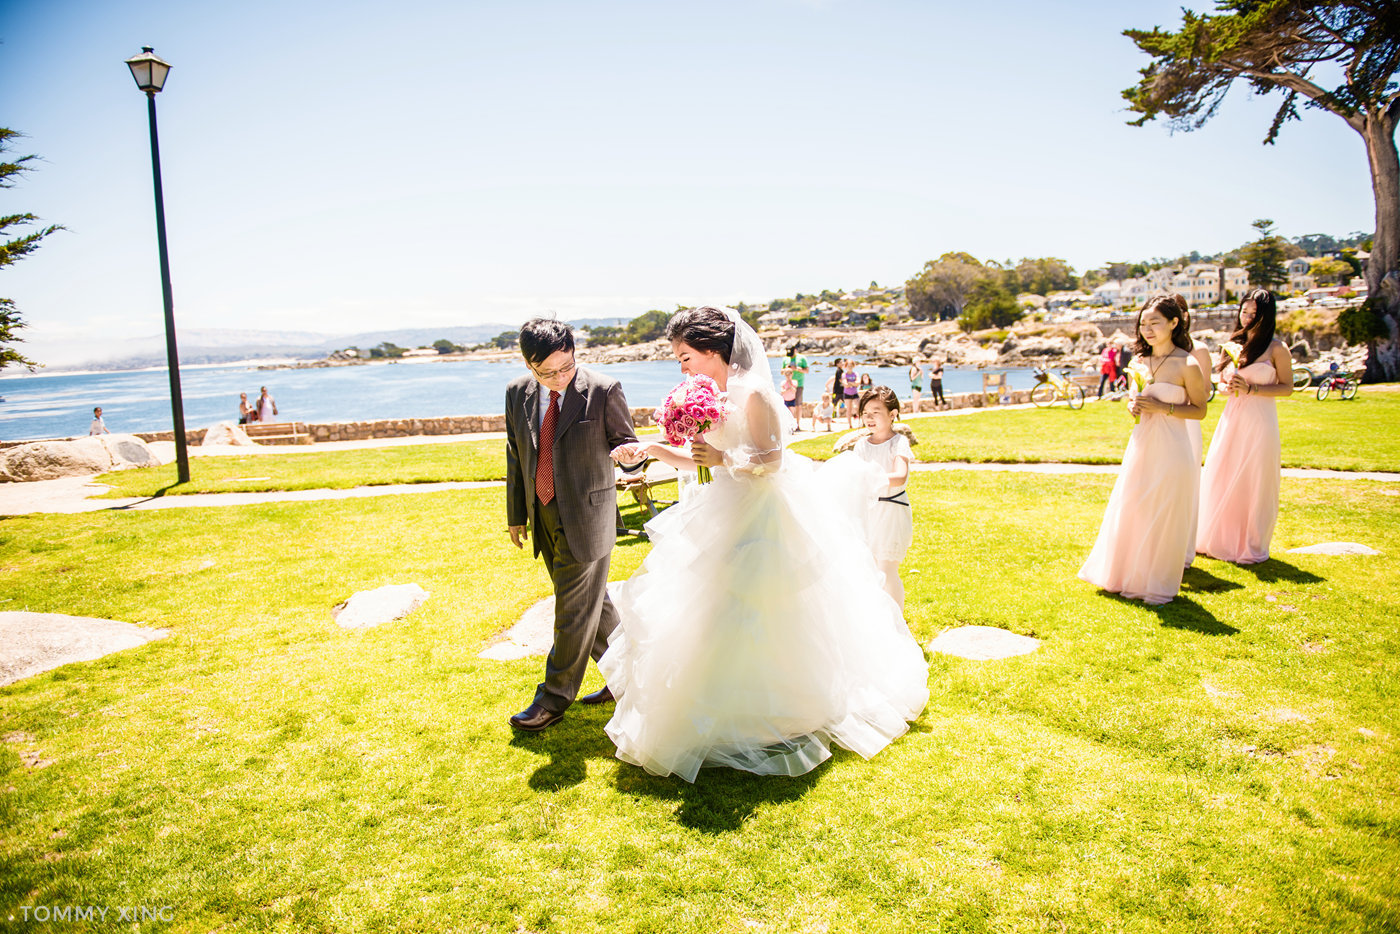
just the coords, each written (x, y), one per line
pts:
(707, 329)
(1172, 307)
(1256, 338)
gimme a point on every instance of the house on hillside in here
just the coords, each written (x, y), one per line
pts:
(1057, 300)
(1299, 277)
(1107, 294)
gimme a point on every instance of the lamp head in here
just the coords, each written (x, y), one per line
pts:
(149, 70)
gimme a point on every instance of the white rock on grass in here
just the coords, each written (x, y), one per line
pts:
(1334, 548)
(227, 433)
(49, 460)
(382, 605)
(983, 643)
(31, 643)
(533, 635)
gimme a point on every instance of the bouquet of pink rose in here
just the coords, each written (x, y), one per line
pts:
(690, 410)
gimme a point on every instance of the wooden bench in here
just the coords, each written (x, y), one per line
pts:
(640, 483)
(277, 432)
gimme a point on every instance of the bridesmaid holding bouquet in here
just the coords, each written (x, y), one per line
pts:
(1240, 483)
(1147, 525)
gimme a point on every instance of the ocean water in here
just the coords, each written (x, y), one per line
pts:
(59, 405)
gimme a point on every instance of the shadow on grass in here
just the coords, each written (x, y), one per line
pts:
(569, 745)
(1273, 570)
(1183, 612)
(721, 799)
(1198, 580)
(156, 495)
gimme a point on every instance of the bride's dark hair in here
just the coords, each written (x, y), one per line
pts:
(707, 329)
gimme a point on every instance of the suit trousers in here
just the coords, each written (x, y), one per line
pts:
(584, 616)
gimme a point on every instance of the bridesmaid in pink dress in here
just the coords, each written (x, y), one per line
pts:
(1147, 525)
(1193, 431)
(1239, 486)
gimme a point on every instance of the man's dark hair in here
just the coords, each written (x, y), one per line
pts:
(540, 337)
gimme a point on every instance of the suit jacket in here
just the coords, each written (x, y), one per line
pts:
(593, 419)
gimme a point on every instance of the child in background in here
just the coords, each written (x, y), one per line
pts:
(850, 392)
(789, 393)
(891, 519)
(823, 414)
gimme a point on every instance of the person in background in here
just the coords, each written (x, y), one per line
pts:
(1108, 367)
(833, 386)
(799, 366)
(789, 393)
(916, 383)
(99, 427)
(935, 384)
(850, 392)
(822, 414)
(267, 407)
(246, 413)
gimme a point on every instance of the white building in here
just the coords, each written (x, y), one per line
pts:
(1298, 269)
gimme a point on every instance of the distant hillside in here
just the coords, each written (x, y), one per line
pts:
(227, 345)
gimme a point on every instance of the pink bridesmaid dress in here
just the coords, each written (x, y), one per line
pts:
(1193, 432)
(1239, 486)
(1147, 524)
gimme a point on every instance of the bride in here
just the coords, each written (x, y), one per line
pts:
(757, 632)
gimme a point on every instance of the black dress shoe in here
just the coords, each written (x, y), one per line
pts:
(535, 718)
(598, 697)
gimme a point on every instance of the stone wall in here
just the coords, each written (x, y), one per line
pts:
(391, 428)
(474, 424)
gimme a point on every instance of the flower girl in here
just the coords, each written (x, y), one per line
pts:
(1147, 525)
(891, 524)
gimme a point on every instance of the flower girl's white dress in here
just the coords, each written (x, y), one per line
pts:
(755, 635)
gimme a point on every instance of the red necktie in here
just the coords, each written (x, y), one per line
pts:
(544, 467)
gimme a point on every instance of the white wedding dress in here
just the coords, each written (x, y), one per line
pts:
(757, 632)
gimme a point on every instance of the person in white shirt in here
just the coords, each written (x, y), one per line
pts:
(99, 427)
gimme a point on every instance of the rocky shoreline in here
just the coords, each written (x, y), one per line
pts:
(1075, 345)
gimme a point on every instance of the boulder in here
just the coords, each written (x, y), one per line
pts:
(382, 605)
(227, 433)
(848, 441)
(49, 460)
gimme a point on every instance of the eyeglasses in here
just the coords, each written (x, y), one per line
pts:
(566, 368)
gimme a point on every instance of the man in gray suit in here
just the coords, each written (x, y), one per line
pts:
(562, 424)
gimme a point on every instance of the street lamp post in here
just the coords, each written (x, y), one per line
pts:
(150, 72)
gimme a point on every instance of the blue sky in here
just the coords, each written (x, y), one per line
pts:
(335, 167)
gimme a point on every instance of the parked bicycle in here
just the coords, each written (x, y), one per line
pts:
(1302, 377)
(1343, 381)
(1056, 387)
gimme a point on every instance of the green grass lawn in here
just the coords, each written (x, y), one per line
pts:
(1355, 435)
(1228, 762)
(332, 470)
